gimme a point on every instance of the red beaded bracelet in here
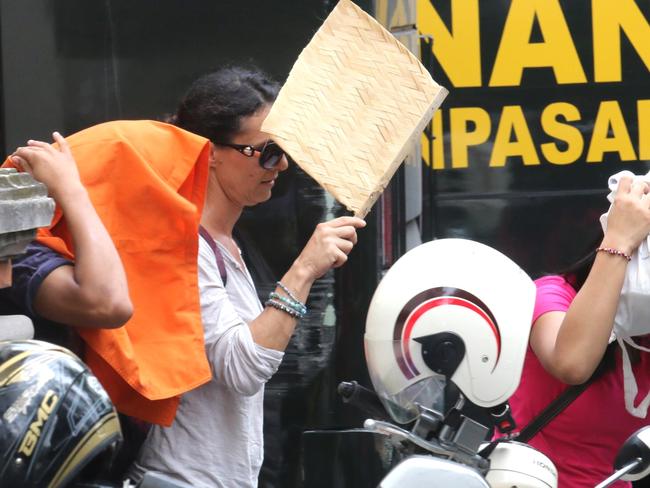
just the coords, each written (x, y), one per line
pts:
(615, 252)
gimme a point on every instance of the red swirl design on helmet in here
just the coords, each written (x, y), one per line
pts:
(428, 300)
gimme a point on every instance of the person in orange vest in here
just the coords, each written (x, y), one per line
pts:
(92, 290)
(216, 437)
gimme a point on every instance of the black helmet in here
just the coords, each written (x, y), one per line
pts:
(55, 416)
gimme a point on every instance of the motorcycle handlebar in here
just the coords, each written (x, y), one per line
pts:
(363, 398)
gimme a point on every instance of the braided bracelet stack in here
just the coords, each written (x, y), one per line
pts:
(288, 304)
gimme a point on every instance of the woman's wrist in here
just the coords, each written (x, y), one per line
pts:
(618, 245)
(298, 279)
(614, 252)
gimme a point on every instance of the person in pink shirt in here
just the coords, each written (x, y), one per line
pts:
(572, 324)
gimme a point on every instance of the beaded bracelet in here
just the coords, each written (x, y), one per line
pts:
(297, 306)
(278, 305)
(615, 252)
(287, 291)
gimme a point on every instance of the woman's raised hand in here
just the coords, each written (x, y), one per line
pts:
(628, 222)
(329, 245)
(56, 168)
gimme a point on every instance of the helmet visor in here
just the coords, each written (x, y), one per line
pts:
(402, 397)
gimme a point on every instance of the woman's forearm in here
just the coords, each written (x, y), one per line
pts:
(273, 328)
(327, 248)
(587, 326)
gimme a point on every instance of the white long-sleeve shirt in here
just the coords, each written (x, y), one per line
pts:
(216, 439)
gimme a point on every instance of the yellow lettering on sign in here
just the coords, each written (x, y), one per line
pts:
(434, 150)
(513, 123)
(463, 136)
(425, 146)
(610, 117)
(516, 52)
(643, 108)
(608, 19)
(563, 132)
(458, 51)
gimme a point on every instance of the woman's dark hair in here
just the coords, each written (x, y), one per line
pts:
(576, 273)
(216, 102)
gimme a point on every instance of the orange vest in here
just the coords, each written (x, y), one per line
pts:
(147, 182)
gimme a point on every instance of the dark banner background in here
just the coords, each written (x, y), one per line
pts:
(543, 216)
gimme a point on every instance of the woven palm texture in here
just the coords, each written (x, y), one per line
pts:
(354, 103)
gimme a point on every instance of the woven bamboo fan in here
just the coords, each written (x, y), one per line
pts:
(354, 102)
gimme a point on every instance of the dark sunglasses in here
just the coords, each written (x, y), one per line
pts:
(270, 152)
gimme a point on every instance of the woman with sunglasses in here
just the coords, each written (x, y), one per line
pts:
(216, 439)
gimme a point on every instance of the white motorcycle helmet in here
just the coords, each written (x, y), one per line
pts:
(450, 308)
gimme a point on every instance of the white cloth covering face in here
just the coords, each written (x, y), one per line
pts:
(633, 312)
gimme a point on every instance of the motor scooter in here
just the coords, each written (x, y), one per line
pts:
(446, 335)
(450, 449)
(437, 450)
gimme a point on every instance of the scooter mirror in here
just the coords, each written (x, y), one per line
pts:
(633, 459)
(635, 448)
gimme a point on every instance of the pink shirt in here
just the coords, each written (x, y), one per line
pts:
(582, 441)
